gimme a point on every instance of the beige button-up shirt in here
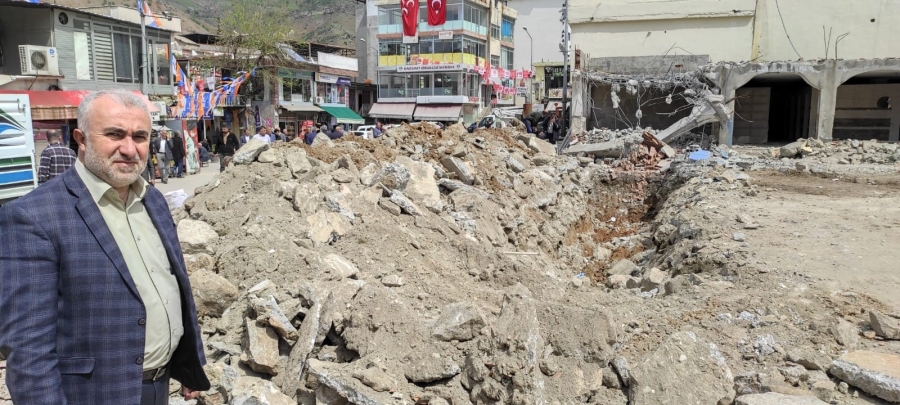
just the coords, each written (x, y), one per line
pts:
(146, 258)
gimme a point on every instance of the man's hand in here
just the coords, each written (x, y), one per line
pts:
(188, 393)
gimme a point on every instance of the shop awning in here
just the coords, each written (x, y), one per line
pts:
(438, 112)
(400, 111)
(344, 115)
(301, 108)
(61, 105)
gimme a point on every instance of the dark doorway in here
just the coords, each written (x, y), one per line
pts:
(789, 112)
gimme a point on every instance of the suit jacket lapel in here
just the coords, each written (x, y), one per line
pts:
(157, 209)
(89, 212)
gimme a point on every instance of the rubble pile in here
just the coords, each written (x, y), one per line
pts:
(441, 267)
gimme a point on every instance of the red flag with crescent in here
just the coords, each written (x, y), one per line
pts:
(410, 13)
(437, 12)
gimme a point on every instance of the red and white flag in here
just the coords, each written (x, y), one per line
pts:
(437, 12)
(410, 13)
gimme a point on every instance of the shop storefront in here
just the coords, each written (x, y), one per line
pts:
(388, 112)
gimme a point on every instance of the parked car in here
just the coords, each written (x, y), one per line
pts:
(365, 133)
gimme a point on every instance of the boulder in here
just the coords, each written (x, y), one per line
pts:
(270, 156)
(375, 378)
(460, 168)
(249, 152)
(654, 279)
(774, 398)
(663, 377)
(336, 202)
(322, 140)
(197, 237)
(298, 163)
(213, 294)
(261, 348)
(877, 374)
(339, 267)
(307, 198)
(623, 267)
(792, 149)
(421, 188)
(269, 313)
(459, 321)
(846, 334)
(393, 176)
(884, 326)
(257, 391)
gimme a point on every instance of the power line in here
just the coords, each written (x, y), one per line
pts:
(785, 30)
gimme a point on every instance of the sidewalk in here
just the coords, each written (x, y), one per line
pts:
(189, 182)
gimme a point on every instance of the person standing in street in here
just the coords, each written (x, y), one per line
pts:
(164, 155)
(96, 305)
(310, 135)
(245, 138)
(262, 135)
(178, 154)
(226, 149)
(55, 159)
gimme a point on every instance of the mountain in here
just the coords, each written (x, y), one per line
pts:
(329, 22)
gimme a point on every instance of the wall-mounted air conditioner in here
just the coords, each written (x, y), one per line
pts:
(39, 60)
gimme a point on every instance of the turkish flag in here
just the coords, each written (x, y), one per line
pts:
(437, 12)
(410, 12)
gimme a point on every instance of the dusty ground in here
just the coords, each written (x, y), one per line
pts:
(843, 232)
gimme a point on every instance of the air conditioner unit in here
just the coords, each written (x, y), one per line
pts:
(320, 100)
(39, 60)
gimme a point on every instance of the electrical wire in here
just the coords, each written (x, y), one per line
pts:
(785, 30)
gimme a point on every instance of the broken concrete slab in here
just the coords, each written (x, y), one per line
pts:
(298, 163)
(461, 169)
(885, 326)
(774, 398)
(376, 379)
(248, 153)
(421, 187)
(337, 378)
(213, 294)
(311, 334)
(269, 313)
(809, 358)
(257, 391)
(683, 357)
(394, 176)
(406, 204)
(197, 237)
(222, 378)
(459, 321)
(610, 149)
(261, 348)
(877, 374)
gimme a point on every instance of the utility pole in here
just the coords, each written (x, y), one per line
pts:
(567, 32)
(144, 64)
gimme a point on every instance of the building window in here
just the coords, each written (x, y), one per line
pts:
(296, 90)
(495, 31)
(162, 68)
(333, 93)
(506, 58)
(507, 30)
(495, 60)
(84, 66)
(125, 66)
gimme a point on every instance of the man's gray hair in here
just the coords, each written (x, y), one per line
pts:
(124, 98)
(54, 134)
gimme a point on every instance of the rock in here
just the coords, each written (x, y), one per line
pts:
(269, 313)
(298, 163)
(730, 176)
(199, 261)
(343, 176)
(460, 168)
(367, 174)
(744, 219)
(810, 359)
(247, 154)
(261, 348)
(392, 280)
(326, 395)
(375, 378)
(623, 267)
(877, 374)
(514, 165)
(405, 204)
(335, 202)
(541, 146)
(389, 206)
(802, 167)
(339, 267)
(426, 368)
(610, 149)
(324, 227)
(213, 294)
(662, 377)
(312, 333)
(355, 392)
(421, 187)
(459, 321)
(222, 378)
(846, 334)
(270, 156)
(792, 149)
(653, 279)
(256, 391)
(774, 398)
(542, 160)
(307, 198)
(739, 237)
(602, 254)
(393, 176)
(197, 237)
(794, 375)
(884, 326)
(619, 281)
(322, 140)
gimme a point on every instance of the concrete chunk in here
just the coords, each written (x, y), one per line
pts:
(774, 398)
(885, 326)
(460, 168)
(877, 374)
(248, 153)
(261, 348)
(197, 237)
(459, 321)
(213, 294)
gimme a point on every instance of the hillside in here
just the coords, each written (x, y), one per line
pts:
(321, 21)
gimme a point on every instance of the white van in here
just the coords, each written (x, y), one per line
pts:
(17, 158)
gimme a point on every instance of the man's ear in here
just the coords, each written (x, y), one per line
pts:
(79, 137)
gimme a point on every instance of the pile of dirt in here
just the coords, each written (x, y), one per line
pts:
(439, 267)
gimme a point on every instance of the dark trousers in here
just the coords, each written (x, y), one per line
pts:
(179, 167)
(156, 392)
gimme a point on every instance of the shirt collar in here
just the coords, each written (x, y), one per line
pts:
(99, 188)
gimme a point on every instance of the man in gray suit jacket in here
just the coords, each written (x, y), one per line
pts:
(95, 302)
(164, 155)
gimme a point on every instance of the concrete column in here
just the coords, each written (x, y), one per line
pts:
(726, 132)
(813, 113)
(894, 136)
(827, 102)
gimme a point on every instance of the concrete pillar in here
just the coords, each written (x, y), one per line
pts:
(813, 113)
(726, 132)
(827, 102)
(894, 136)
